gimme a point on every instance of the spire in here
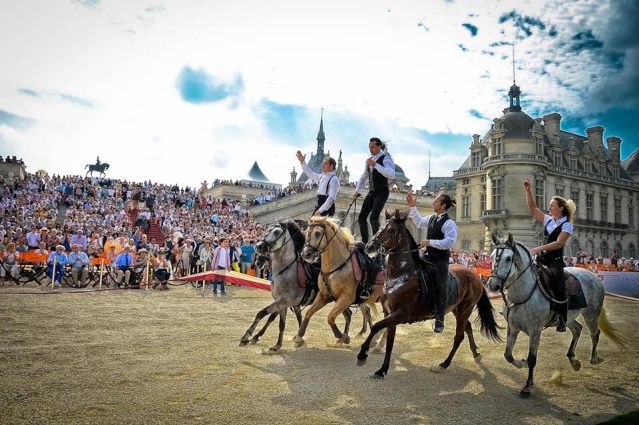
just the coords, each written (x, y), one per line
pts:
(320, 137)
(514, 92)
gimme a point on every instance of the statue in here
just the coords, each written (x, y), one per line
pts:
(98, 166)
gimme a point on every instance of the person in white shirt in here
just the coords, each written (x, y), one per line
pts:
(440, 238)
(379, 168)
(221, 261)
(328, 184)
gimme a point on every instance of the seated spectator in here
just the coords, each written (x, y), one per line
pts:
(124, 266)
(59, 259)
(79, 265)
(10, 260)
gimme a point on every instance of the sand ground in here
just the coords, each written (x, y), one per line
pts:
(141, 357)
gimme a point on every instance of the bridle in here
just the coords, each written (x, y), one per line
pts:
(320, 251)
(269, 245)
(383, 245)
(499, 250)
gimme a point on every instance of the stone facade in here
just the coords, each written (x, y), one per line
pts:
(491, 198)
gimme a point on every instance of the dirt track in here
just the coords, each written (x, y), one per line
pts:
(122, 357)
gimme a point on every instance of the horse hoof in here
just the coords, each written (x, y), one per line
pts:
(597, 360)
(438, 369)
(243, 342)
(376, 350)
(298, 342)
(525, 393)
(576, 365)
(254, 340)
(361, 362)
(377, 375)
(273, 350)
(478, 358)
(344, 340)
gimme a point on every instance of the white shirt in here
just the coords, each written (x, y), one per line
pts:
(449, 229)
(324, 179)
(387, 169)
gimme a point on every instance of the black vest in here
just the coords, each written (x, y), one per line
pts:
(557, 254)
(435, 232)
(322, 198)
(376, 179)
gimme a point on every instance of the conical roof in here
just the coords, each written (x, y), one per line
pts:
(256, 174)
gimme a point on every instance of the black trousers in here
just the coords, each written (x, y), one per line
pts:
(372, 206)
(441, 285)
(559, 284)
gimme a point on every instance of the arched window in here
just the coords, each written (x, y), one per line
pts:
(590, 248)
(574, 247)
(619, 250)
(603, 247)
(632, 251)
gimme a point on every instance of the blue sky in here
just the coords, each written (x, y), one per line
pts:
(181, 91)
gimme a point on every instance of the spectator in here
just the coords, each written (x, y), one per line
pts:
(247, 256)
(221, 261)
(79, 266)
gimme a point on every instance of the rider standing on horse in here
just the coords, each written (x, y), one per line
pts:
(440, 238)
(557, 228)
(327, 187)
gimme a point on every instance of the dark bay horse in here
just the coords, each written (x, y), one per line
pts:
(409, 294)
(100, 168)
(291, 286)
(527, 305)
(338, 281)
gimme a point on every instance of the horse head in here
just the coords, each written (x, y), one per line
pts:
(504, 257)
(272, 240)
(389, 237)
(315, 239)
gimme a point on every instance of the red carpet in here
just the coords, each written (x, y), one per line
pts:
(229, 277)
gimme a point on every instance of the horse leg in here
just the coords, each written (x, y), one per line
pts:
(390, 340)
(348, 317)
(592, 321)
(341, 305)
(320, 301)
(298, 314)
(459, 337)
(258, 335)
(276, 348)
(575, 329)
(274, 307)
(366, 319)
(471, 342)
(511, 340)
(533, 346)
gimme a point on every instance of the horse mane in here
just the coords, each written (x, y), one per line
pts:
(401, 219)
(333, 223)
(296, 234)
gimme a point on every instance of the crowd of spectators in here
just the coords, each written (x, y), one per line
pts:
(43, 212)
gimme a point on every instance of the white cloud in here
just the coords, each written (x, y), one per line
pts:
(370, 64)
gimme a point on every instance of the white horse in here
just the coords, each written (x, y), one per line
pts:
(527, 307)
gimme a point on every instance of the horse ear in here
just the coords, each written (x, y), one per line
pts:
(494, 238)
(402, 215)
(387, 214)
(510, 238)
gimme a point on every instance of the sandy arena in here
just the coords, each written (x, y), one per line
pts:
(141, 357)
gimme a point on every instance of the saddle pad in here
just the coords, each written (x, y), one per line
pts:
(453, 290)
(575, 293)
(357, 271)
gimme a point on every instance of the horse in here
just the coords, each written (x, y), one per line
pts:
(409, 294)
(281, 245)
(527, 305)
(333, 245)
(101, 168)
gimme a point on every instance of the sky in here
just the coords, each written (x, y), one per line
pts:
(182, 91)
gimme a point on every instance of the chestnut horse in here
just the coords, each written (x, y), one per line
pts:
(337, 281)
(409, 294)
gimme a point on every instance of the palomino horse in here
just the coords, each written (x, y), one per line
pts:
(527, 307)
(291, 287)
(337, 281)
(409, 294)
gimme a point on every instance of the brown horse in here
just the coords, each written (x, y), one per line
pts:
(409, 293)
(337, 281)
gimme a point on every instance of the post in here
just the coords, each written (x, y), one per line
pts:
(55, 263)
(101, 274)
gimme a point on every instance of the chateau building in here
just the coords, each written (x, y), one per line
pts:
(490, 193)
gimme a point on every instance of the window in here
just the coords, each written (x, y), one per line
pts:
(465, 181)
(602, 168)
(574, 194)
(483, 202)
(605, 253)
(476, 159)
(573, 162)
(539, 192)
(617, 209)
(587, 166)
(560, 191)
(498, 194)
(631, 215)
(539, 146)
(603, 200)
(465, 206)
(466, 244)
(589, 206)
(632, 251)
(558, 159)
(497, 147)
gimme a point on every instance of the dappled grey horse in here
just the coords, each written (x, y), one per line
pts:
(527, 305)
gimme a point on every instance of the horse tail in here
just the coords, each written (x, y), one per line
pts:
(486, 318)
(611, 332)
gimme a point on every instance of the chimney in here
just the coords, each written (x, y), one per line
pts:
(475, 139)
(614, 144)
(595, 139)
(552, 126)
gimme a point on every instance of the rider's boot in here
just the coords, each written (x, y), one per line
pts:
(562, 314)
(440, 307)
